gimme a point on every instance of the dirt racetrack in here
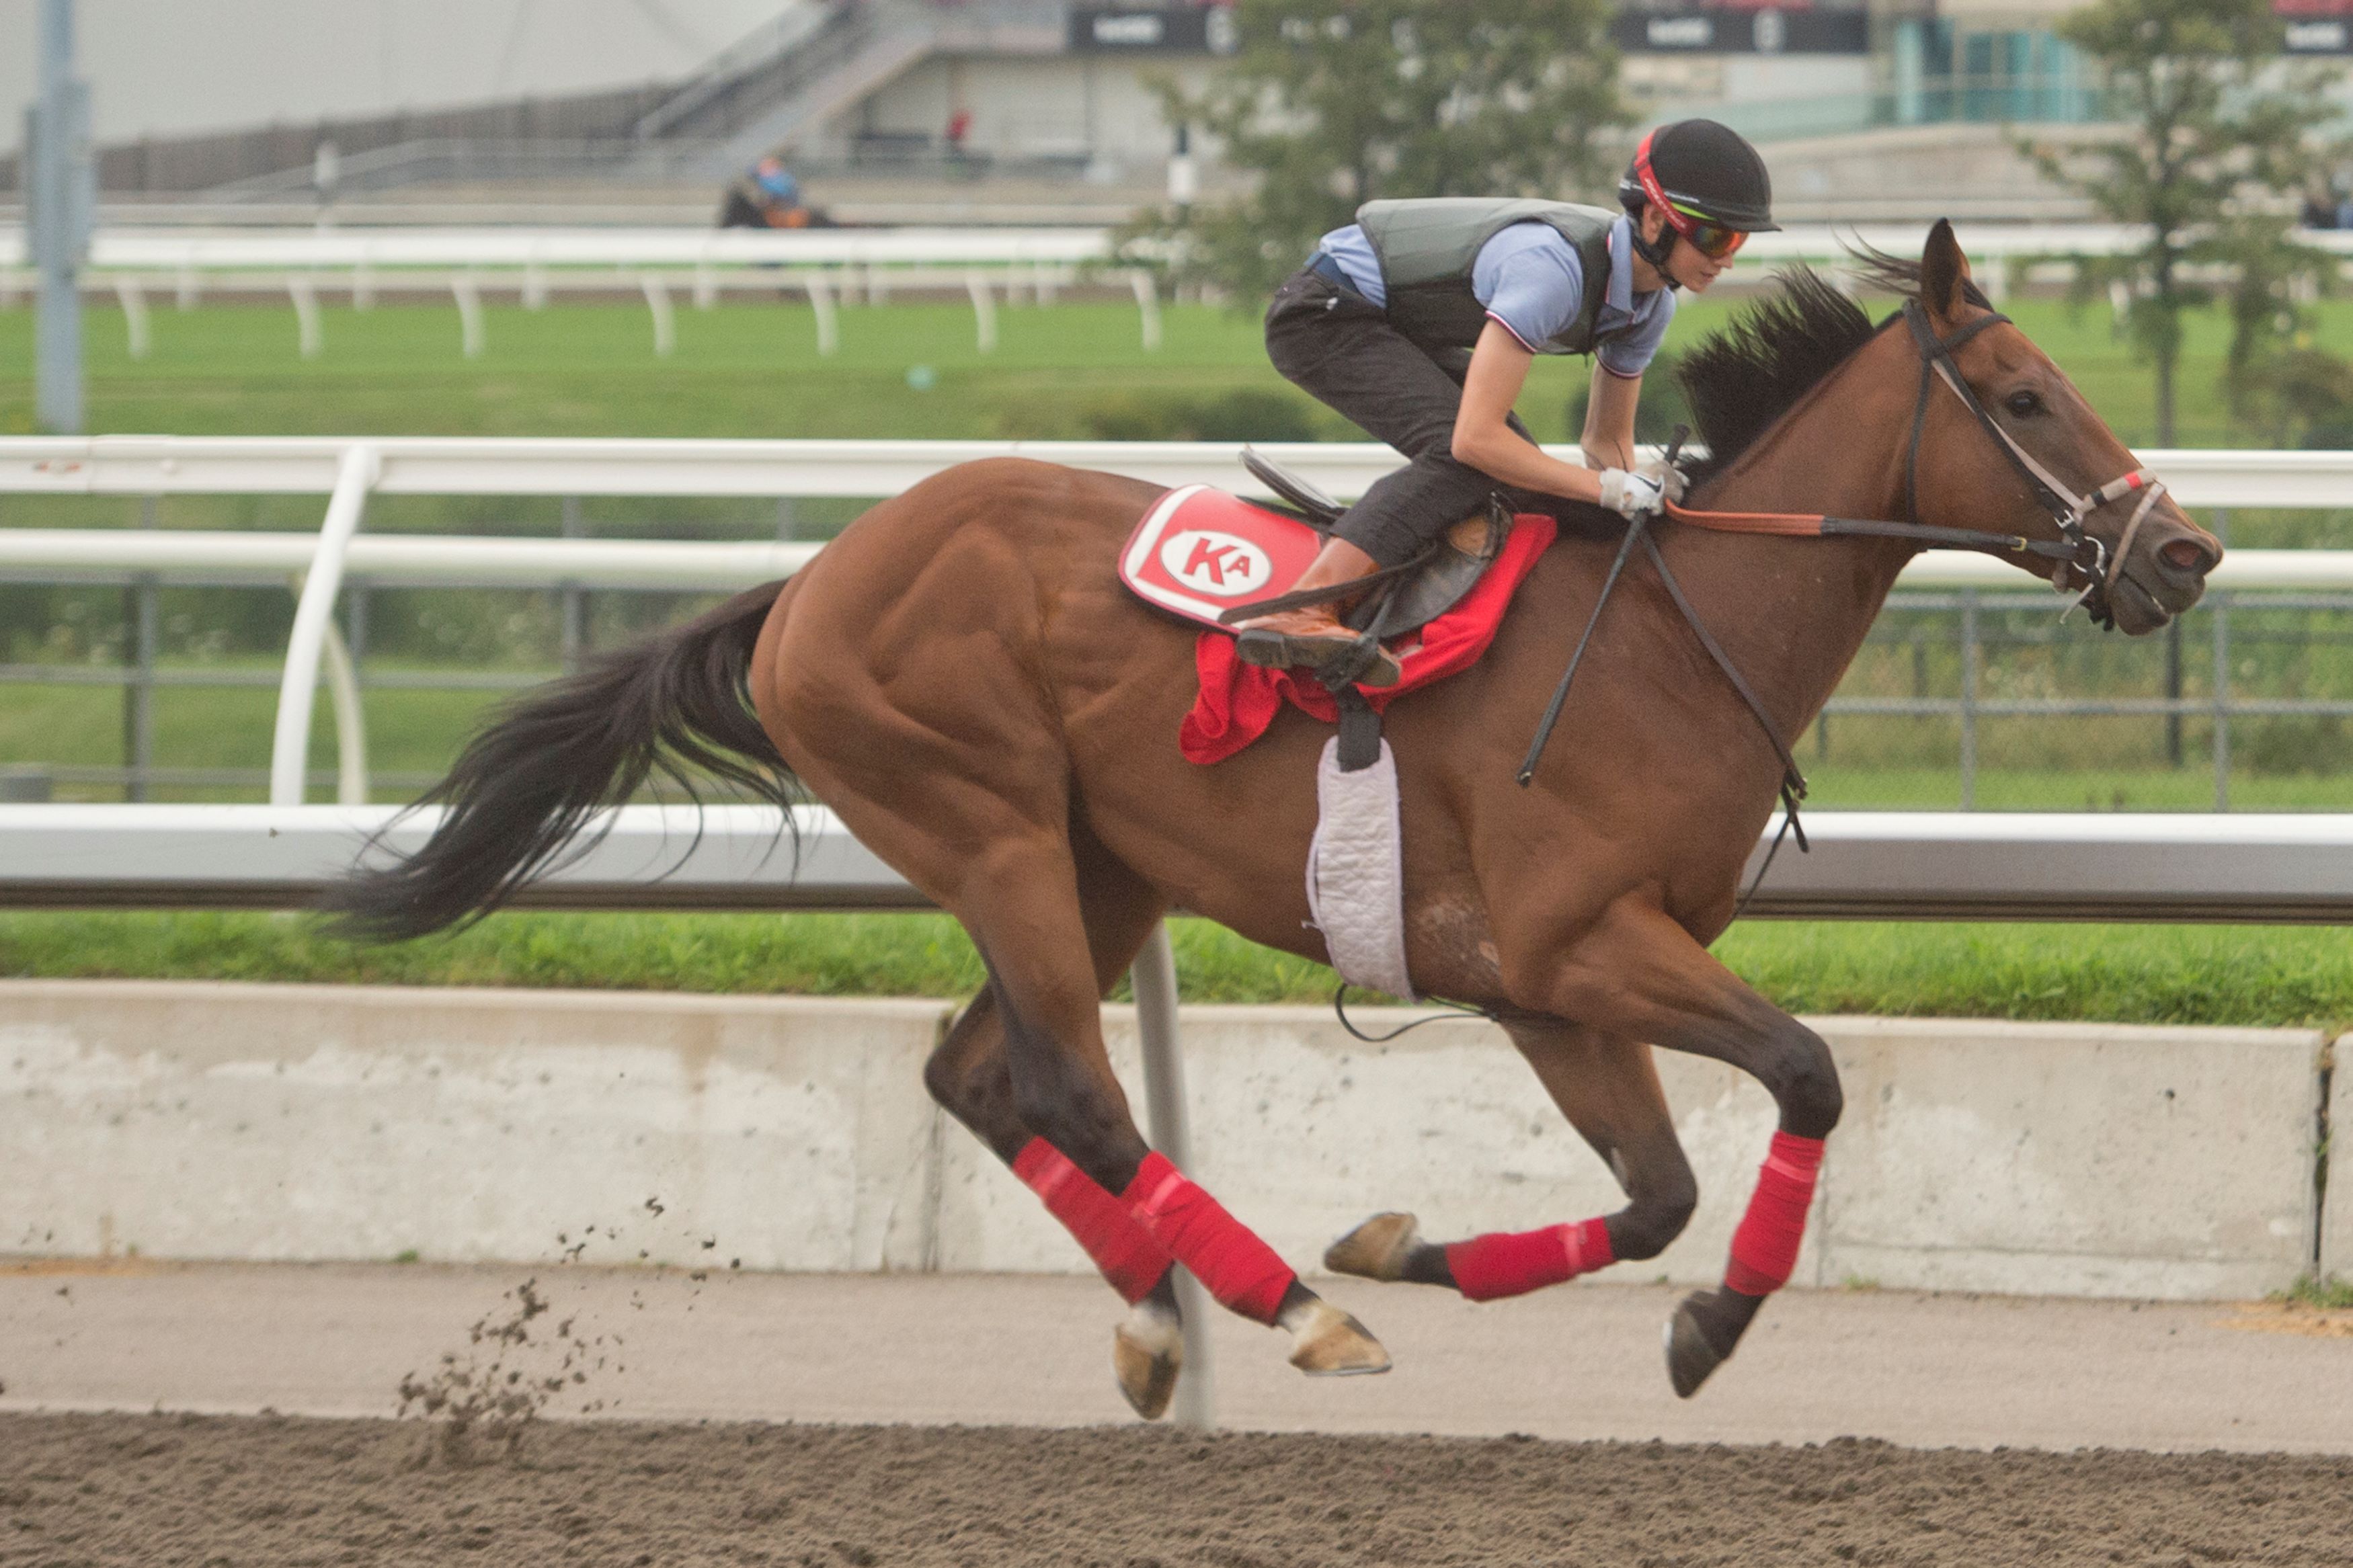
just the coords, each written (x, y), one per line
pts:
(258, 1492)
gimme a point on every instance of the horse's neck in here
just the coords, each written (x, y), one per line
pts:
(1793, 614)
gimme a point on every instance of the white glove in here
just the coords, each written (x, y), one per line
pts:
(1631, 495)
(1667, 477)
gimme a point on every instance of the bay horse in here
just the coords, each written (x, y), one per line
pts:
(962, 679)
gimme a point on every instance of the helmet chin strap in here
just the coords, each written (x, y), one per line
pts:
(1657, 254)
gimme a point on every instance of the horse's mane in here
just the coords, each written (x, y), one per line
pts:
(1744, 378)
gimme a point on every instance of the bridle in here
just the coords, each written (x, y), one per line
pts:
(2067, 509)
(2083, 566)
(2075, 553)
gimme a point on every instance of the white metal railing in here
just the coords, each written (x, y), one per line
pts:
(349, 471)
(543, 465)
(823, 264)
(168, 251)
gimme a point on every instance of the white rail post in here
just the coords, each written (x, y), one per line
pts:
(351, 726)
(362, 288)
(535, 286)
(706, 287)
(289, 746)
(828, 324)
(469, 314)
(665, 320)
(984, 309)
(188, 287)
(306, 315)
(1147, 303)
(1154, 976)
(134, 314)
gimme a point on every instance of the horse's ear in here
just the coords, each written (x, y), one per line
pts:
(1943, 270)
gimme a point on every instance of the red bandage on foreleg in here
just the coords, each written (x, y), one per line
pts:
(1514, 1263)
(1121, 1248)
(1241, 1271)
(1765, 1247)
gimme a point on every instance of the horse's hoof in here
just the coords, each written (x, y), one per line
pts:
(1327, 1343)
(1376, 1250)
(1690, 1358)
(1147, 1352)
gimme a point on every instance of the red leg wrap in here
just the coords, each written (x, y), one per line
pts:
(1765, 1247)
(1121, 1248)
(1512, 1264)
(1241, 1271)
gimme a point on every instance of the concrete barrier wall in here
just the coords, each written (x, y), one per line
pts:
(2337, 1227)
(263, 1121)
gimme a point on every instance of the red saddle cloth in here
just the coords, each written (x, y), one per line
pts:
(1199, 551)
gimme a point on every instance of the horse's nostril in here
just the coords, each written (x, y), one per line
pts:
(2187, 556)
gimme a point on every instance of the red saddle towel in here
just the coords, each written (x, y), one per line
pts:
(1199, 551)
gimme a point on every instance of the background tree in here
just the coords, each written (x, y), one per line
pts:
(2215, 137)
(2278, 380)
(1327, 104)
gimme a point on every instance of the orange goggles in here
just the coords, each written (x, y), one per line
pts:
(1712, 240)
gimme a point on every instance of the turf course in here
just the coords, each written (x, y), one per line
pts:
(2114, 973)
(752, 369)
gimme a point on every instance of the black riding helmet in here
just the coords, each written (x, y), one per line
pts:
(1709, 181)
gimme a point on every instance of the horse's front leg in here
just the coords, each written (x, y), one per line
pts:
(1608, 1087)
(1636, 972)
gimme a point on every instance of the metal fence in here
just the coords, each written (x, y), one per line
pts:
(2245, 684)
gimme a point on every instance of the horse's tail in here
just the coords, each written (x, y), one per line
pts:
(551, 759)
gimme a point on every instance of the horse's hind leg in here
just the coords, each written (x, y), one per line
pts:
(1609, 1088)
(972, 1078)
(1028, 930)
(910, 700)
(1012, 881)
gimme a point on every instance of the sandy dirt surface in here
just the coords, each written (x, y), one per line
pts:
(1580, 1363)
(584, 1417)
(258, 1492)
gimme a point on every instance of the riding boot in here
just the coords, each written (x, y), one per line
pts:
(1312, 637)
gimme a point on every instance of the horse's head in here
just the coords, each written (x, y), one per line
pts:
(2150, 560)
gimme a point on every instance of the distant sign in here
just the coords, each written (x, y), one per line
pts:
(1152, 29)
(2317, 35)
(1763, 32)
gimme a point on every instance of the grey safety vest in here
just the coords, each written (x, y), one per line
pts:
(1428, 247)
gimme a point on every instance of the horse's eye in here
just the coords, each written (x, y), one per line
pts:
(2024, 404)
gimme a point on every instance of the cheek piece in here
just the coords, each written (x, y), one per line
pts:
(1487, 1268)
(1121, 1248)
(1765, 1247)
(1233, 1264)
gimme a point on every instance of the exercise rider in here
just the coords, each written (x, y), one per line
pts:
(1419, 322)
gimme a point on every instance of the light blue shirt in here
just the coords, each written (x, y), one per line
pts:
(1530, 279)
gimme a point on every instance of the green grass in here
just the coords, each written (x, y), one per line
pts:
(2114, 973)
(2311, 1290)
(747, 369)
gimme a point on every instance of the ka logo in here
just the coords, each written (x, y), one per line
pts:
(1208, 561)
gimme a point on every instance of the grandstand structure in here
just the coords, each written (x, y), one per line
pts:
(1006, 110)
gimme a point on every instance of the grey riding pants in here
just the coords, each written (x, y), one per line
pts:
(1338, 345)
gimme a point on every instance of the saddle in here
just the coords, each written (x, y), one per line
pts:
(1203, 553)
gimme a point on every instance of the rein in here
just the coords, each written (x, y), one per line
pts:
(2074, 552)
